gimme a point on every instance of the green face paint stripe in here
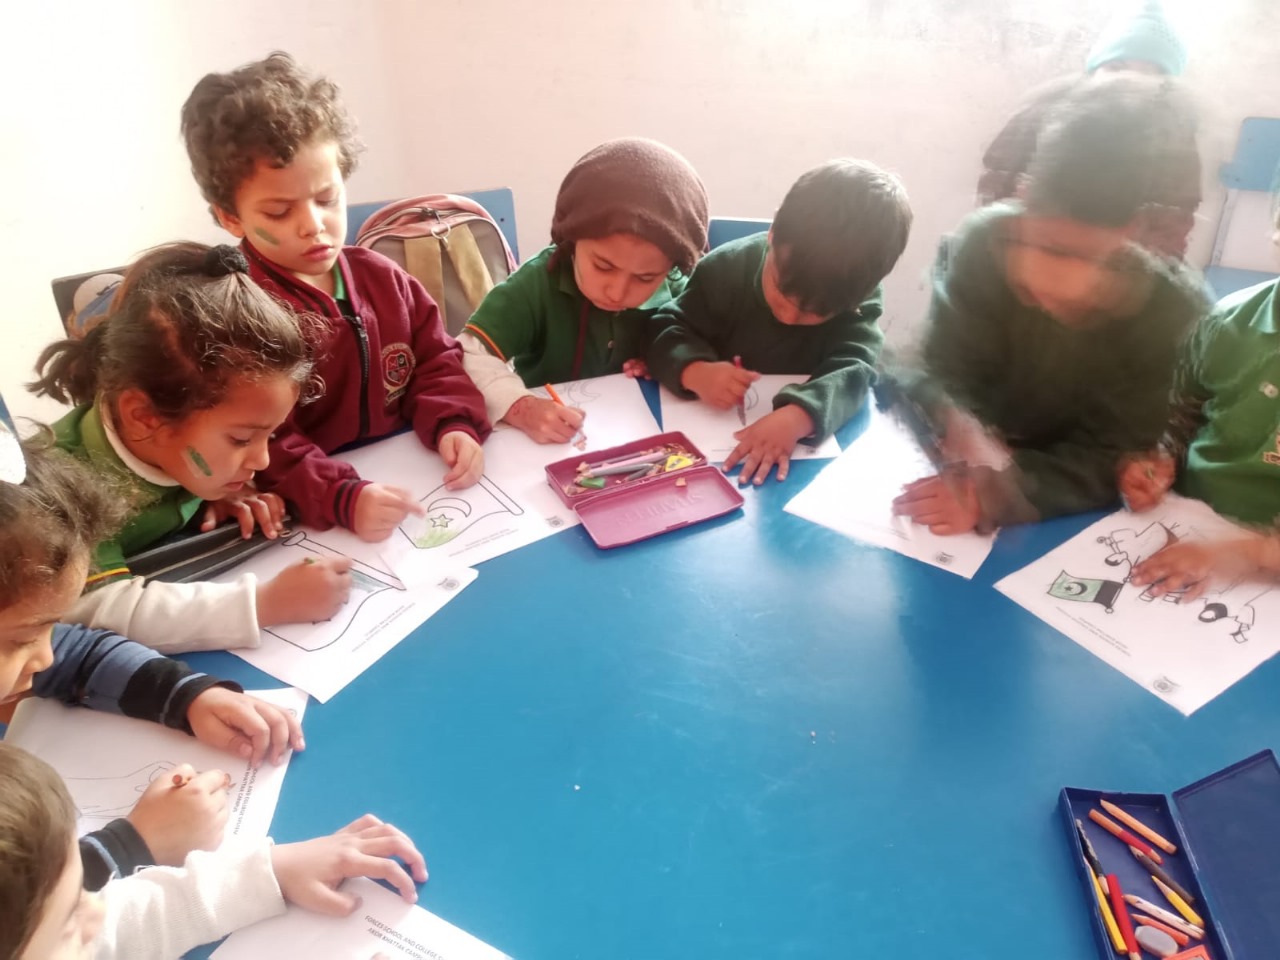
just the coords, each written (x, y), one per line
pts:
(194, 455)
(262, 234)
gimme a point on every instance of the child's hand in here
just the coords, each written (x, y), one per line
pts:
(636, 369)
(264, 509)
(947, 505)
(246, 726)
(967, 440)
(1192, 567)
(464, 458)
(380, 508)
(174, 820)
(309, 873)
(721, 384)
(306, 592)
(545, 420)
(1144, 480)
(768, 442)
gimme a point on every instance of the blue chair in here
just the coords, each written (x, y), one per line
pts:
(500, 203)
(724, 229)
(1249, 178)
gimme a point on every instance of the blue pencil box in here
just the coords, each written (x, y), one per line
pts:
(1226, 828)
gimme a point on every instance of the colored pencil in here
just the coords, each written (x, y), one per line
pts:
(1138, 827)
(1179, 904)
(1164, 916)
(1123, 835)
(742, 404)
(1180, 938)
(1108, 918)
(551, 392)
(1122, 917)
(1156, 870)
(1090, 854)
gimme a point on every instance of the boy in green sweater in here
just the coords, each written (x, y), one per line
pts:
(803, 298)
(1052, 337)
(1225, 435)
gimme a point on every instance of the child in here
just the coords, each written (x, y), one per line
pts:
(177, 394)
(1052, 337)
(1225, 434)
(48, 524)
(271, 149)
(630, 223)
(162, 912)
(1137, 41)
(802, 299)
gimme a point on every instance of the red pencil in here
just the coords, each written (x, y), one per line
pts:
(1121, 910)
(1124, 836)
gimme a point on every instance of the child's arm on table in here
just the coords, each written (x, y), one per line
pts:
(1192, 567)
(161, 913)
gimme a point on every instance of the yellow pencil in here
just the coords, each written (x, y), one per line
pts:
(1178, 903)
(1138, 827)
(1108, 918)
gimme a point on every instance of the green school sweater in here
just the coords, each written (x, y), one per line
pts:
(1070, 403)
(722, 314)
(155, 511)
(534, 318)
(1230, 374)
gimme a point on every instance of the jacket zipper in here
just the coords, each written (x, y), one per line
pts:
(362, 340)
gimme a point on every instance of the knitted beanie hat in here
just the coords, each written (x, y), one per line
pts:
(635, 186)
(1145, 35)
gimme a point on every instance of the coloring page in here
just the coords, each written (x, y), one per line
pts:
(712, 430)
(383, 927)
(854, 496)
(108, 760)
(322, 658)
(1186, 652)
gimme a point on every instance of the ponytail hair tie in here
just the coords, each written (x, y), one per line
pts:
(225, 259)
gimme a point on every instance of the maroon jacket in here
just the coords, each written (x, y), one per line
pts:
(387, 365)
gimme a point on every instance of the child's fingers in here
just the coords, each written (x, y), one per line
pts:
(573, 416)
(262, 516)
(210, 781)
(210, 519)
(330, 902)
(180, 775)
(361, 823)
(283, 730)
(376, 863)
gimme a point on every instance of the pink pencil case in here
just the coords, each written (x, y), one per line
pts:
(629, 511)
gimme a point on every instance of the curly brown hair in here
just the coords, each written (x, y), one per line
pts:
(57, 515)
(265, 110)
(187, 325)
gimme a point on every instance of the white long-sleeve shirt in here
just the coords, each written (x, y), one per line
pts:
(162, 912)
(496, 380)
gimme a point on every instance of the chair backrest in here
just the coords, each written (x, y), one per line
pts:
(724, 229)
(501, 204)
(1241, 256)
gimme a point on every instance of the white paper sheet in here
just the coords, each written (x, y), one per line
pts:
(854, 496)
(1186, 653)
(383, 926)
(322, 658)
(712, 430)
(512, 505)
(108, 761)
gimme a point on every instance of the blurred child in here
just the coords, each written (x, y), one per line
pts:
(1052, 337)
(1225, 437)
(162, 912)
(802, 298)
(48, 524)
(177, 394)
(1139, 41)
(271, 149)
(630, 223)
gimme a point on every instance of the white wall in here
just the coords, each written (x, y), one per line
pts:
(462, 94)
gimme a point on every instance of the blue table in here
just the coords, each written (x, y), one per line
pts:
(751, 739)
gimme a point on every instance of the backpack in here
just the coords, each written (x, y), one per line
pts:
(449, 243)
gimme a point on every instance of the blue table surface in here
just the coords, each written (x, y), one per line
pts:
(754, 738)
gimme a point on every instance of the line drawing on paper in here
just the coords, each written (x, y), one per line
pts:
(113, 797)
(366, 582)
(449, 513)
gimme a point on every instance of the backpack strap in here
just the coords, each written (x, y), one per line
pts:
(422, 258)
(468, 264)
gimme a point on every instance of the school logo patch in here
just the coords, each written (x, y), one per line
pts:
(397, 366)
(1273, 458)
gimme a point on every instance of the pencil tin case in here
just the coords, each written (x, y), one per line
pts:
(637, 510)
(1226, 828)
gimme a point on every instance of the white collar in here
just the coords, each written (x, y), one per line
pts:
(144, 470)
